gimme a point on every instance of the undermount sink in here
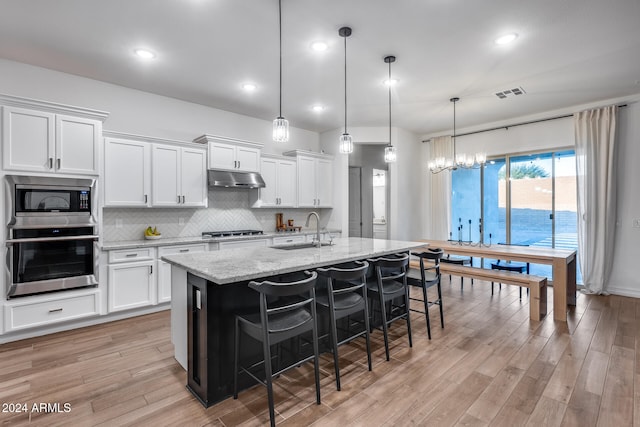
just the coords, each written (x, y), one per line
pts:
(293, 246)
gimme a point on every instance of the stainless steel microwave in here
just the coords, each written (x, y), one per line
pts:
(49, 201)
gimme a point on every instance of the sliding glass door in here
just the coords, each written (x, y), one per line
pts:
(525, 199)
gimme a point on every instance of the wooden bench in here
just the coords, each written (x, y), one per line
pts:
(537, 284)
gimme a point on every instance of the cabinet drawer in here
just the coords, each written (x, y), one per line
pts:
(243, 244)
(128, 255)
(288, 239)
(41, 313)
(182, 249)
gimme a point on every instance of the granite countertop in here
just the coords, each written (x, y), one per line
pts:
(236, 265)
(169, 241)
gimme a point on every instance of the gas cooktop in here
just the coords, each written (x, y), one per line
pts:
(231, 233)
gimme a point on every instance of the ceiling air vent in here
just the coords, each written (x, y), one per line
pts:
(510, 93)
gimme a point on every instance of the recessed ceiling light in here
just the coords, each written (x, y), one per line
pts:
(507, 38)
(319, 46)
(249, 87)
(390, 82)
(318, 108)
(144, 53)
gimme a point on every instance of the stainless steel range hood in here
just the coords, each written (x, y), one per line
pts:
(220, 178)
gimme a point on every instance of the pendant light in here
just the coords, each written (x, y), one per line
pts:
(459, 160)
(346, 141)
(280, 124)
(389, 150)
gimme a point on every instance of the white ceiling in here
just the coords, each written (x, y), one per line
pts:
(569, 52)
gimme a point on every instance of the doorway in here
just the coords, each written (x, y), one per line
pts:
(355, 201)
(379, 204)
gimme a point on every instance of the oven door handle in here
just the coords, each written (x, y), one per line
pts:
(51, 239)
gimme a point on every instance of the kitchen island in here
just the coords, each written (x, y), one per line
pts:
(208, 288)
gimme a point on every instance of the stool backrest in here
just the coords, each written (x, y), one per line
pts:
(355, 276)
(391, 267)
(304, 289)
(434, 254)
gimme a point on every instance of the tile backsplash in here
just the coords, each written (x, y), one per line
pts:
(229, 209)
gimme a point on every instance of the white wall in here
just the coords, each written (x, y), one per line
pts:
(405, 182)
(624, 278)
(142, 113)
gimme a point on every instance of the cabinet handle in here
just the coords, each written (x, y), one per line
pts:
(145, 198)
(178, 198)
(184, 250)
(238, 164)
(318, 202)
(151, 269)
(50, 162)
(183, 201)
(131, 255)
(55, 310)
(59, 163)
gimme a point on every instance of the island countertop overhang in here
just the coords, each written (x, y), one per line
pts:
(238, 265)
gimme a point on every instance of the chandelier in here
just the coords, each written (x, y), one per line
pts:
(459, 160)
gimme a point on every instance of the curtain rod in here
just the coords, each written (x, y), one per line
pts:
(506, 127)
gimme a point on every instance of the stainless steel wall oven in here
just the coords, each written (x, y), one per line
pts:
(52, 235)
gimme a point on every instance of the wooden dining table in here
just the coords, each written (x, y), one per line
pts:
(563, 262)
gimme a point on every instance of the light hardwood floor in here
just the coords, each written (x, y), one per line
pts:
(491, 365)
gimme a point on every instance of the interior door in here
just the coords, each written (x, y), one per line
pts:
(355, 202)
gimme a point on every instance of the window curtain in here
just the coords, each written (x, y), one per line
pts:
(595, 168)
(441, 146)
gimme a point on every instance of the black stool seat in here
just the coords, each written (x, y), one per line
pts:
(427, 276)
(345, 295)
(287, 310)
(517, 267)
(389, 284)
(458, 260)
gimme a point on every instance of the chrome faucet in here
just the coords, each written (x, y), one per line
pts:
(317, 241)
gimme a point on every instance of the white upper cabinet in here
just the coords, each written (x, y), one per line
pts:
(179, 176)
(45, 141)
(280, 183)
(315, 179)
(127, 173)
(193, 177)
(232, 154)
(153, 172)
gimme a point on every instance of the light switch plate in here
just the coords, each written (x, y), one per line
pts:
(636, 222)
(118, 222)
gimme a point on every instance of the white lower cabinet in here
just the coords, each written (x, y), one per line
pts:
(131, 285)
(131, 279)
(31, 312)
(164, 268)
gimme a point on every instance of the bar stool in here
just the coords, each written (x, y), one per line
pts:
(346, 294)
(429, 276)
(518, 267)
(458, 260)
(390, 283)
(287, 310)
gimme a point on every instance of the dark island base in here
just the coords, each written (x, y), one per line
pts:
(210, 327)
(211, 310)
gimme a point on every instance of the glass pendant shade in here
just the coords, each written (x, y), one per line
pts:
(346, 143)
(280, 129)
(389, 154)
